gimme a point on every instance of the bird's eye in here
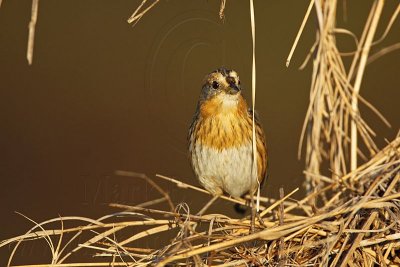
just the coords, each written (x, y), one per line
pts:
(239, 82)
(215, 84)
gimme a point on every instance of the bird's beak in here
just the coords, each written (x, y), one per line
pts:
(233, 88)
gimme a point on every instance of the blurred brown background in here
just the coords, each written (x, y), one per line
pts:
(102, 95)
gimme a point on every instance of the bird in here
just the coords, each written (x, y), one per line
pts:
(220, 138)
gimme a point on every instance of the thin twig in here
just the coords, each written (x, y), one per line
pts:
(151, 182)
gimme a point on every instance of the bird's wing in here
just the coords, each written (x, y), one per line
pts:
(262, 160)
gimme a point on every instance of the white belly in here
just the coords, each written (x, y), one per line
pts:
(228, 170)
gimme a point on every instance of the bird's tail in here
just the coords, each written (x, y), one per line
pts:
(240, 208)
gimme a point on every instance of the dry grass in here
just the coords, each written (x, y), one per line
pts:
(333, 122)
(359, 226)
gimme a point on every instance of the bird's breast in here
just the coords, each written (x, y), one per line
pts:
(223, 127)
(224, 131)
(228, 169)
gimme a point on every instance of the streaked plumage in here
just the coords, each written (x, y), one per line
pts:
(220, 138)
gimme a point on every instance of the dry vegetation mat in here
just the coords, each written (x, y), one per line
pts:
(359, 225)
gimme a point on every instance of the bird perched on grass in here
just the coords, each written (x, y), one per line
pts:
(220, 138)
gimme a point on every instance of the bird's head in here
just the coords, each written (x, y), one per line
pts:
(221, 91)
(221, 82)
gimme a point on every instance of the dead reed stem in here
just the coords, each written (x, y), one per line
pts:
(32, 27)
(303, 24)
(222, 9)
(364, 50)
(253, 102)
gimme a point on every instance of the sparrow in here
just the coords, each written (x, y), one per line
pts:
(220, 138)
